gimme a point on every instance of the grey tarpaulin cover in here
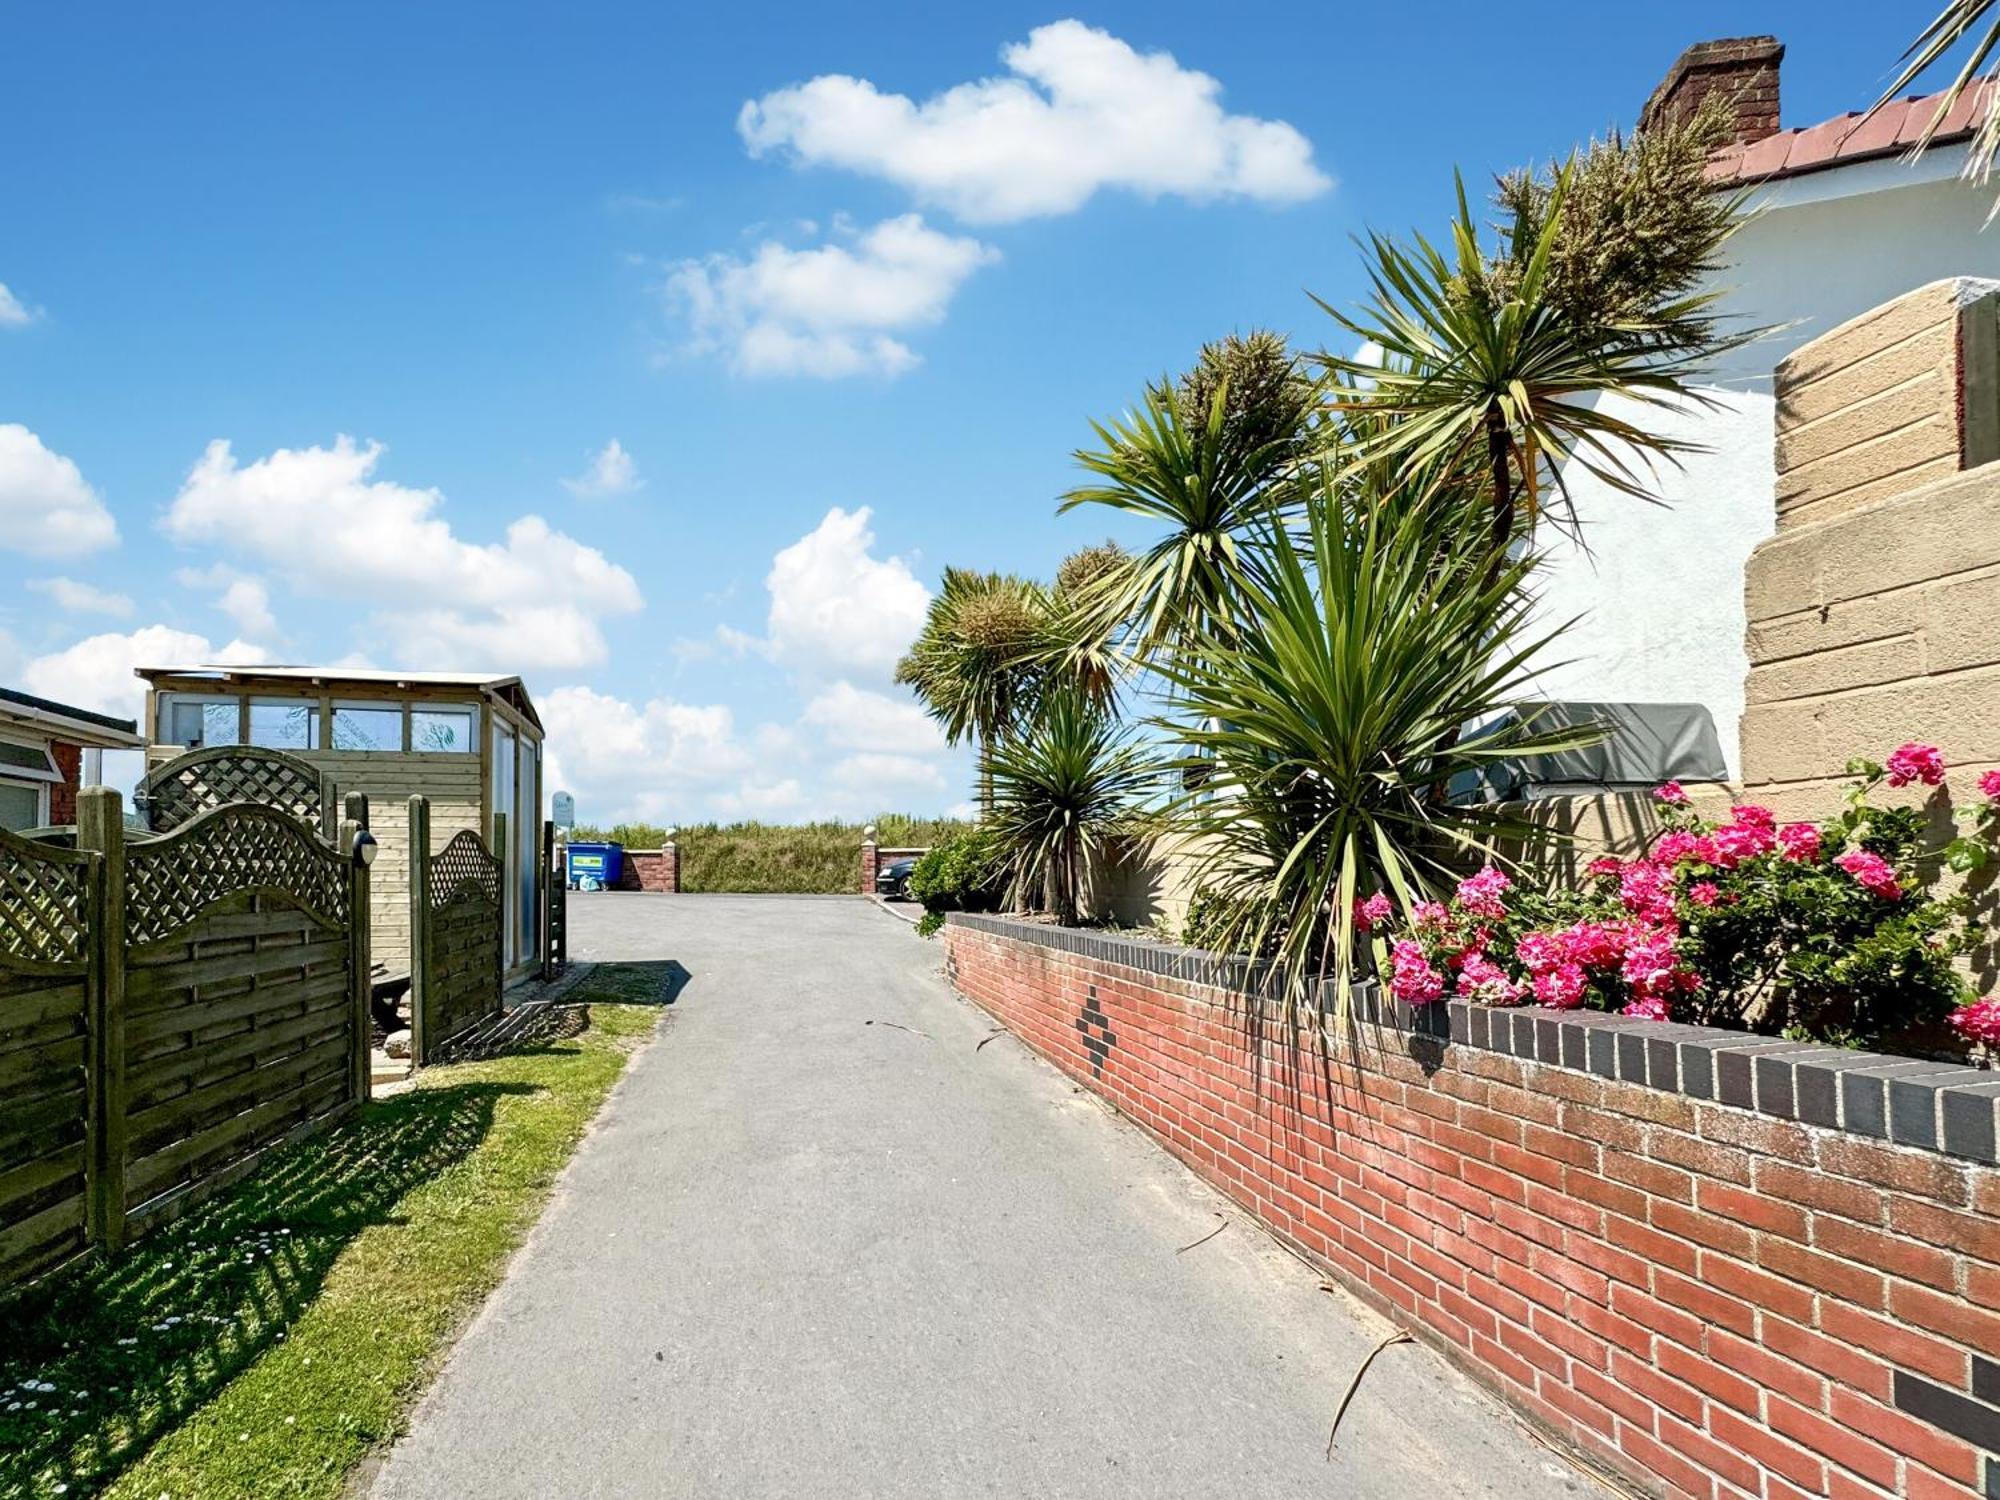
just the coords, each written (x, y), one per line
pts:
(1647, 743)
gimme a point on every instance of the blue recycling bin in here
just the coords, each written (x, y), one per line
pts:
(594, 867)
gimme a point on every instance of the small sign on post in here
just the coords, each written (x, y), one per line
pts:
(562, 809)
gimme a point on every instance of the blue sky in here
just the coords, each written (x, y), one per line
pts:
(482, 243)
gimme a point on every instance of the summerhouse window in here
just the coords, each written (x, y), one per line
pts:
(368, 726)
(284, 723)
(444, 728)
(194, 723)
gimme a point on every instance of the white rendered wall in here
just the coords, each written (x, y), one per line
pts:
(1660, 589)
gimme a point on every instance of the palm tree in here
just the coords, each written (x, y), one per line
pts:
(1327, 724)
(1061, 790)
(1207, 457)
(976, 666)
(1457, 361)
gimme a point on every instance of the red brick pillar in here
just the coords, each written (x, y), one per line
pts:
(62, 796)
(868, 860)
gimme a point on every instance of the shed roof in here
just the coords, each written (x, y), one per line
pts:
(241, 674)
(71, 725)
(1853, 137)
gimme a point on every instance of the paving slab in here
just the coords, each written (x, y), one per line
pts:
(819, 1245)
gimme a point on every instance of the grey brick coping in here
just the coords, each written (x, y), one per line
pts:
(1933, 1106)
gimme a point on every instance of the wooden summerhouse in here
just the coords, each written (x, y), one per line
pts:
(470, 743)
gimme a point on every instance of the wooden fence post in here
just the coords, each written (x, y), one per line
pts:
(420, 913)
(360, 963)
(100, 826)
(329, 807)
(509, 896)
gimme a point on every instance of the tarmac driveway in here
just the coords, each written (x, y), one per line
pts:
(819, 1245)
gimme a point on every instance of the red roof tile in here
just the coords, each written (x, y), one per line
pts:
(1848, 138)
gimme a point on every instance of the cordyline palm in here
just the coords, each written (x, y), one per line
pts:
(1326, 725)
(1469, 357)
(1209, 488)
(977, 665)
(1061, 790)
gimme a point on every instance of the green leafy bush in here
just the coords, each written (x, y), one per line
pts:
(776, 858)
(961, 872)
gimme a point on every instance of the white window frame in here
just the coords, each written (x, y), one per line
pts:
(41, 795)
(50, 771)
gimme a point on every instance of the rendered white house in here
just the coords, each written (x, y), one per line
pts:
(1841, 222)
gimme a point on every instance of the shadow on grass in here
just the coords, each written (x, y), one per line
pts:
(619, 982)
(100, 1359)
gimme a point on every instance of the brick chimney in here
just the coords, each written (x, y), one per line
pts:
(1743, 69)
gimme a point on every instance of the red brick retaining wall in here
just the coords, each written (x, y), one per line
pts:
(652, 869)
(1723, 1266)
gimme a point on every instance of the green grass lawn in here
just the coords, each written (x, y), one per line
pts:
(262, 1346)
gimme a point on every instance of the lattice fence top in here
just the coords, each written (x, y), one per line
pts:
(242, 847)
(189, 785)
(44, 903)
(464, 862)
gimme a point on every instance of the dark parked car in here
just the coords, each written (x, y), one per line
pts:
(893, 879)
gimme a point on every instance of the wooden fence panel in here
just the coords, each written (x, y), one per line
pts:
(182, 789)
(455, 938)
(240, 1026)
(45, 953)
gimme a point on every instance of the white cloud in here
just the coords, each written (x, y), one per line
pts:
(835, 606)
(319, 519)
(854, 718)
(242, 597)
(828, 311)
(1082, 112)
(886, 783)
(46, 509)
(96, 672)
(13, 313)
(75, 598)
(610, 472)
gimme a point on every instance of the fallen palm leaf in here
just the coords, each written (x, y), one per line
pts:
(1400, 1336)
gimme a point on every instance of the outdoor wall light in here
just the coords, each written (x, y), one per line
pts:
(365, 848)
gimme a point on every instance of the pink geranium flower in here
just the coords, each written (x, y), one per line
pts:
(1914, 762)
(1675, 845)
(1411, 977)
(1735, 842)
(1647, 890)
(1480, 895)
(1372, 913)
(1872, 872)
(1429, 914)
(1671, 793)
(1562, 987)
(1539, 952)
(1989, 785)
(1752, 816)
(1979, 1021)
(1704, 893)
(1604, 864)
(1648, 1008)
(1799, 841)
(1481, 979)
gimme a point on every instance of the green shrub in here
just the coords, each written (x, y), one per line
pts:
(962, 872)
(776, 858)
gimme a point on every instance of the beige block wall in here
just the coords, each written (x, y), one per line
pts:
(1893, 399)
(1874, 613)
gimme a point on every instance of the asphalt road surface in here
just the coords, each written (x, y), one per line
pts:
(818, 1245)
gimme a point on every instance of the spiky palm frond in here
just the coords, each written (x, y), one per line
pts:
(1326, 728)
(1958, 20)
(1061, 789)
